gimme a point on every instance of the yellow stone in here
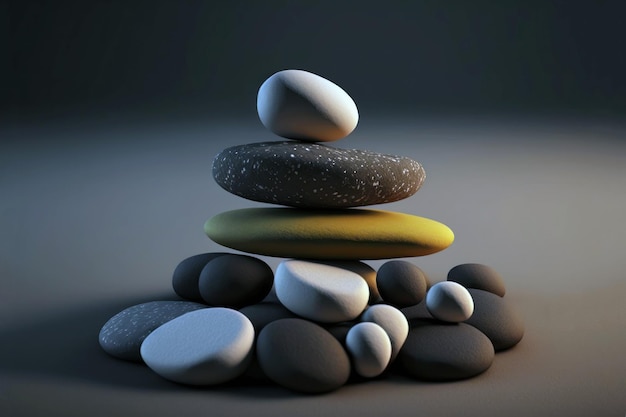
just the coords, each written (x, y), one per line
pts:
(328, 234)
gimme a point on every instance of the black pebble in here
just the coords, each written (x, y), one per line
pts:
(479, 276)
(235, 281)
(435, 351)
(496, 318)
(187, 273)
(401, 283)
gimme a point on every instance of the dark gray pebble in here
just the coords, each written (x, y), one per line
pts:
(264, 313)
(401, 283)
(187, 273)
(435, 351)
(496, 318)
(479, 276)
(235, 281)
(302, 356)
(312, 175)
(123, 334)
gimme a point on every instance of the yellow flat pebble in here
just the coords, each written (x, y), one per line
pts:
(328, 234)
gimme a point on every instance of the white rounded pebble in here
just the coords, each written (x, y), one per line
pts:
(204, 347)
(320, 292)
(370, 349)
(300, 105)
(393, 322)
(449, 301)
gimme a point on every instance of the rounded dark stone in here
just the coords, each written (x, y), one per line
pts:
(312, 175)
(235, 281)
(187, 273)
(122, 335)
(264, 313)
(302, 356)
(401, 283)
(479, 276)
(436, 351)
(496, 318)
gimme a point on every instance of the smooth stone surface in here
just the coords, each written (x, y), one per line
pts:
(301, 105)
(319, 291)
(235, 281)
(310, 175)
(187, 273)
(401, 283)
(370, 349)
(262, 314)
(302, 356)
(328, 234)
(122, 335)
(496, 318)
(393, 322)
(478, 276)
(449, 301)
(444, 352)
(204, 347)
(364, 270)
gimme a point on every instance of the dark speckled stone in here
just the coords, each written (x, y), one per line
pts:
(315, 176)
(123, 334)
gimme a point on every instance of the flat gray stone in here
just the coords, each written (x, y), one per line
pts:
(123, 334)
(478, 276)
(315, 176)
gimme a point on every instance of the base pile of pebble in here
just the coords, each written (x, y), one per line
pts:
(323, 316)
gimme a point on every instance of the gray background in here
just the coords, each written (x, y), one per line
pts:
(112, 112)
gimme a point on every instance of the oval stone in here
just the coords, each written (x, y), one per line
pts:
(449, 301)
(393, 322)
(445, 352)
(370, 349)
(298, 104)
(122, 335)
(328, 234)
(310, 175)
(478, 276)
(302, 356)
(496, 318)
(401, 283)
(204, 347)
(187, 273)
(319, 291)
(235, 281)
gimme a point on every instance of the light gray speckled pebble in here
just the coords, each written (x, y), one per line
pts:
(123, 334)
(315, 176)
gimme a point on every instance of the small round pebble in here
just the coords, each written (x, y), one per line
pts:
(235, 281)
(370, 349)
(449, 301)
(496, 318)
(302, 356)
(445, 352)
(187, 273)
(122, 335)
(204, 347)
(364, 270)
(393, 321)
(478, 276)
(264, 313)
(401, 283)
(320, 292)
(298, 104)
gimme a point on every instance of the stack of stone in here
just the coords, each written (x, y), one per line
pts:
(330, 315)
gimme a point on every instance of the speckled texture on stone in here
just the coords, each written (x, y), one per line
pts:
(123, 334)
(315, 176)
